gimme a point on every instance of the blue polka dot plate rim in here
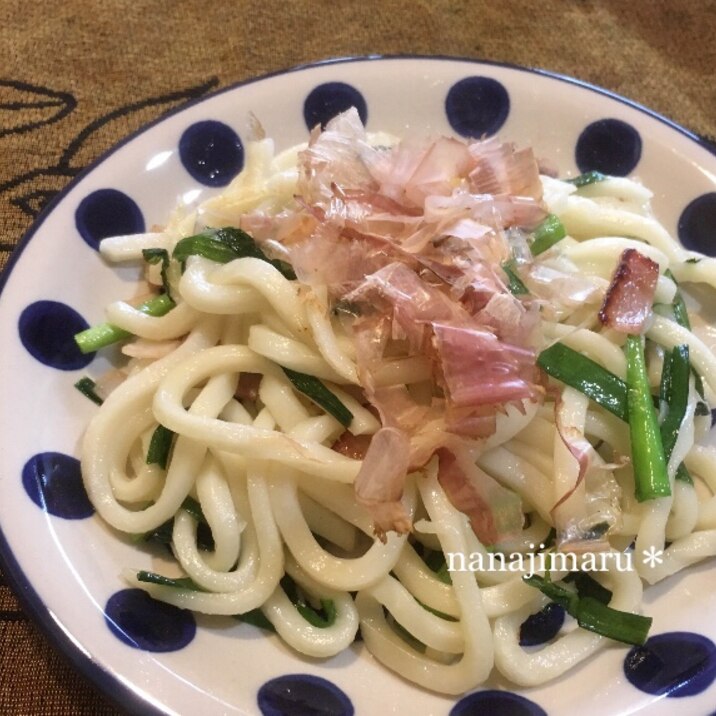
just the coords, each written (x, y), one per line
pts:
(65, 565)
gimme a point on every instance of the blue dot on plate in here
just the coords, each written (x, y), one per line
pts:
(609, 146)
(47, 330)
(539, 628)
(477, 106)
(697, 224)
(107, 212)
(302, 695)
(211, 152)
(53, 481)
(327, 100)
(504, 703)
(672, 664)
(148, 624)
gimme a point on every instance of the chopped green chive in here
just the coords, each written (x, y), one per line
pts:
(436, 612)
(678, 305)
(105, 334)
(514, 282)
(191, 506)
(650, 476)
(314, 389)
(593, 615)
(159, 535)
(587, 178)
(160, 446)
(406, 636)
(162, 581)
(587, 586)
(674, 394)
(547, 234)
(256, 618)
(163, 533)
(86, 386)
(322, 618)
(154, 256)
(600, 385)
(437, 563)
(587, 376)
(224, 245)
(681, 316)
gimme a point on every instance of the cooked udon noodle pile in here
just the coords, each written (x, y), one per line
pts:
(371, 382)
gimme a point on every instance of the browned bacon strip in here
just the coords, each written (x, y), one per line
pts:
(629, 298)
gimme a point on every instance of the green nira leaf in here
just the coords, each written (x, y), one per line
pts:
(514, 282)
(162, 581)
(586, 376)
(647, 450)
(587, 178)
(160, 446)
(86, 386)
(593, 614)
(163, 533)
(314, 389)
(678, 305)
(438, 564)
(104, 334)
(155, 256)
(547, 234)
(587, 586)
(256, 618)
(224, 245)
(321, 618)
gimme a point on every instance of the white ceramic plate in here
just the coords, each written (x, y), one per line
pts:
(66, 570)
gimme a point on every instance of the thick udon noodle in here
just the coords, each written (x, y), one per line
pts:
(280, 501)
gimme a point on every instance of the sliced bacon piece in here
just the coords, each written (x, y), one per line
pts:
(380, 482)
(630, 296)
(353, 446)
(495, 512)
(248, 387)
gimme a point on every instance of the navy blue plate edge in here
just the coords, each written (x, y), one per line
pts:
(123, 696)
